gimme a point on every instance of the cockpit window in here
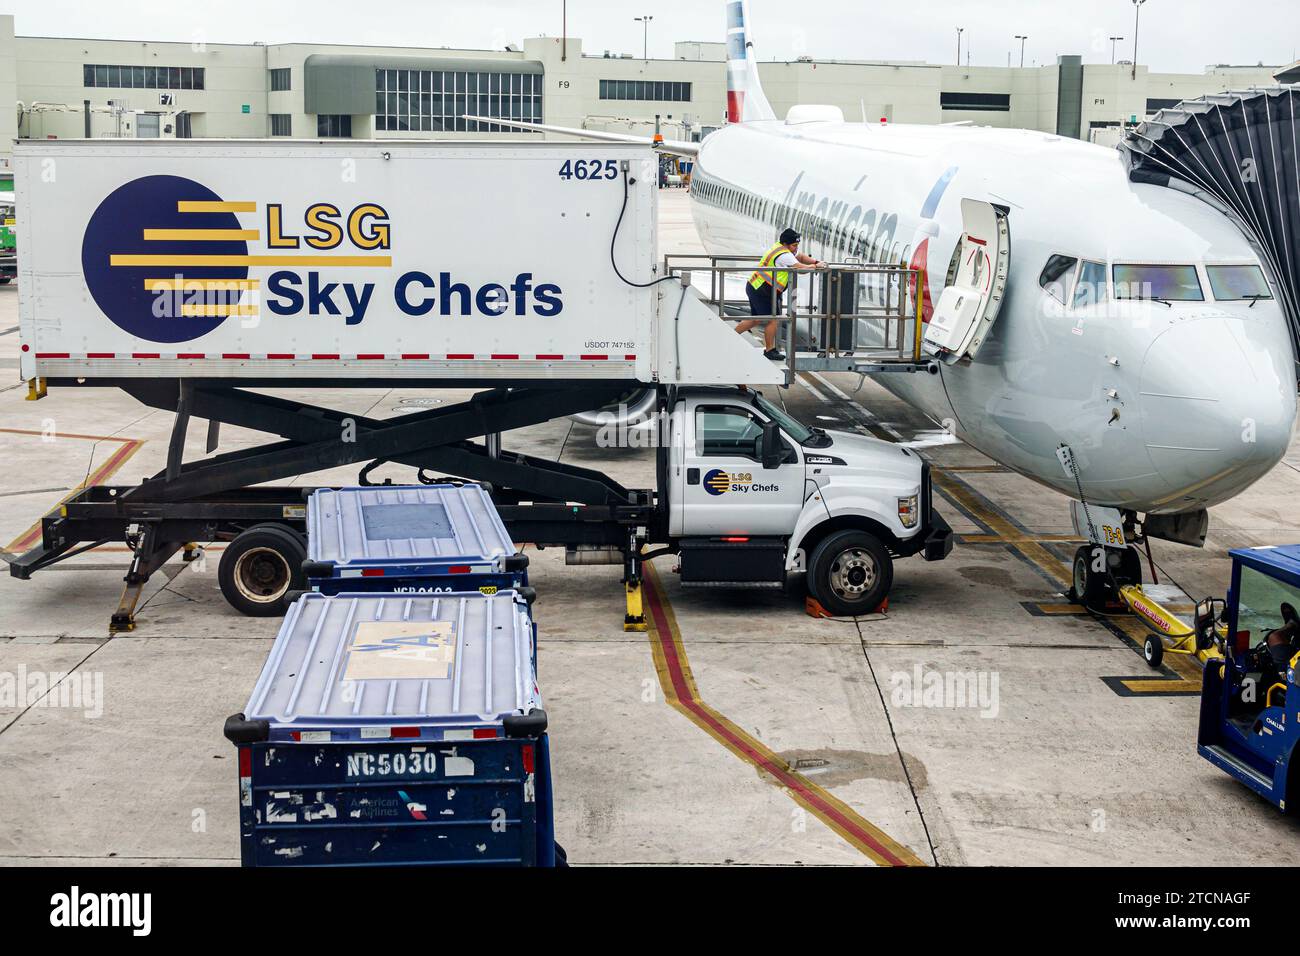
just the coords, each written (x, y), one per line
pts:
(1091, 287)
(1238, 282)
(1056, 276)
(1169, 283)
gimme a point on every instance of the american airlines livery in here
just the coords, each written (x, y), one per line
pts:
(1128, 321)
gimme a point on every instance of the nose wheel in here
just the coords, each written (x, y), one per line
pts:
(1097, 574)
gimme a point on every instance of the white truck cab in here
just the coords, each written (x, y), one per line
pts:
(755, 496)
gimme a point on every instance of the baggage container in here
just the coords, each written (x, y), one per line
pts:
(409, 540)
(397, 730)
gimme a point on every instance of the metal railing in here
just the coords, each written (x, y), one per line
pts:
(848, 316)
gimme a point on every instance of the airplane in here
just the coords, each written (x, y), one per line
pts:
(1129, 322)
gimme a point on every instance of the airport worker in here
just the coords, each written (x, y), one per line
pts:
(768, 281)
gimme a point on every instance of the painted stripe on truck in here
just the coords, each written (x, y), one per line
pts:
(375, 262)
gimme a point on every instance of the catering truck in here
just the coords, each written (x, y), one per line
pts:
(192, 273)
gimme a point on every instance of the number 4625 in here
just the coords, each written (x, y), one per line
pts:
(589, 169)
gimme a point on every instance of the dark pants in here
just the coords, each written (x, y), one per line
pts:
(760, 301)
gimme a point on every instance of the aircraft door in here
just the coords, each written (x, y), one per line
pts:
(969, 304)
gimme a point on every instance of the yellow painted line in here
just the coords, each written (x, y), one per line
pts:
(129, 446)
(195, 285)
(200, 235)
(981, 538)
(213, 205)
(1062, 609)
(1004, 529)
(188, 309)
(1157, 686)
(164, 260)
(678, 684)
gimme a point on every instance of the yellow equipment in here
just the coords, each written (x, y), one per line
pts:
(1165, 626)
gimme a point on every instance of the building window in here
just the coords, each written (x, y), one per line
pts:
(1155, 105)
(334, 126)
(437, 101)
(143, 77)
(659, 90)
(282, 124)
(280, 79)
(984, 102)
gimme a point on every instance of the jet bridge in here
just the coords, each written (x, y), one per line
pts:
(1240, 152)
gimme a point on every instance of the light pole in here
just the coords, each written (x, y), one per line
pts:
(1113, 41)
(1137, 12)
(1022, 48)
(960, 30)
(645, 36)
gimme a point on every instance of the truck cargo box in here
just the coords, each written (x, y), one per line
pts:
(396, 730)
(333, 263)
(409, 539)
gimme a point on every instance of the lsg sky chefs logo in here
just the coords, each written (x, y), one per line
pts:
(168, 260)
(719, 482)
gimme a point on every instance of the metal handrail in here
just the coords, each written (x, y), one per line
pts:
(899, 308)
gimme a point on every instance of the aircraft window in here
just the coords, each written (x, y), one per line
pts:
(1091, 287)
(1238, 282)
(1056, 276)
(1169, 283)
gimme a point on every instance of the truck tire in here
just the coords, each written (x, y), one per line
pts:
(850, 573)
(260, 567)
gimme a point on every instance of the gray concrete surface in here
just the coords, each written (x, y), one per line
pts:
(1054, 768)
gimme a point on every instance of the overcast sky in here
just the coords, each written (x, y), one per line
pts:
(1176, 35)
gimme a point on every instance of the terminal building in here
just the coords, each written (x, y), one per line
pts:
(68, 87)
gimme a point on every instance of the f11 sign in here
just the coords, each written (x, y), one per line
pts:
(270, 261)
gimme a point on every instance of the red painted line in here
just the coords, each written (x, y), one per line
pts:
(235, 355)
(281, 355)
(190, 355)
(323, 356)
(52, 355)
(101, 355)
(505, 357)
(978, 242)
(550, 358)
(594, 358)
(369, 356)
(416, 355)
(629, 358)
(780, 773)
(145, 355)
(460, 357)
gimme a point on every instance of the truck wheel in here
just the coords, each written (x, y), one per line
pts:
(850, 573)
(261, 566)
(1153, 649)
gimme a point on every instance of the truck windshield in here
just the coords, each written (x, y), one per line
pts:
(1259, 606)
(795, 429)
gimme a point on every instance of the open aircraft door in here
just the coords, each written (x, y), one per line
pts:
(977, 280)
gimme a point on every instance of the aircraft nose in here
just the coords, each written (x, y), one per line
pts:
(1218, 405)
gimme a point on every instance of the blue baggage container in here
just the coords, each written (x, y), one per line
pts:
(397, 730)
(409, 539)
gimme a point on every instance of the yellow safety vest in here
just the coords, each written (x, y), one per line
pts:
(760, 277)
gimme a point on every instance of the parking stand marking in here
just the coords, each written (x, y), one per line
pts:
(129, 446)
(674, 671)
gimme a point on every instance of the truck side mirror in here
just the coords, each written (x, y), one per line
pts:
(773, 450)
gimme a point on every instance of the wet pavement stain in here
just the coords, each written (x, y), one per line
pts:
(833, 768)
(988, 574)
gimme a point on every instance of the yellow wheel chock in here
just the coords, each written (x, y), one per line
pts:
(634, 619)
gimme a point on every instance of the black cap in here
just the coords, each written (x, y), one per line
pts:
(788, 236)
